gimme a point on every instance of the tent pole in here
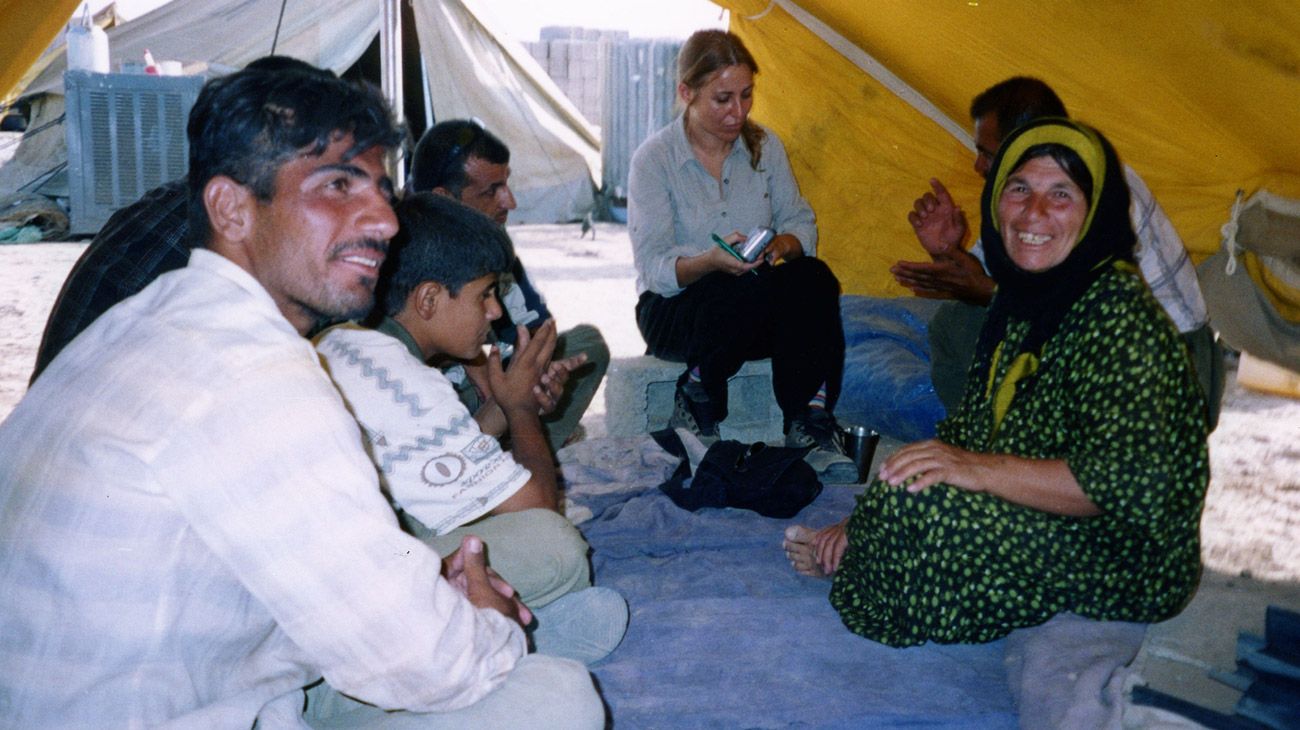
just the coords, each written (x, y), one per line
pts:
(390, 59)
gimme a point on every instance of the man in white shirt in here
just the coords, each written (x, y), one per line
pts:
(193, 531)
(955, 273)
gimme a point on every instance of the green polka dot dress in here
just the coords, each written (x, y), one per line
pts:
(1115, 397)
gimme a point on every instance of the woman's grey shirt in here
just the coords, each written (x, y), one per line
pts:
(674, 204)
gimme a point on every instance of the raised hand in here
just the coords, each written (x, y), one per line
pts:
(940, 225)
(515, 387)
(551, 388)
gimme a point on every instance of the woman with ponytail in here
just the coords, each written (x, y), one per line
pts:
(710, 173)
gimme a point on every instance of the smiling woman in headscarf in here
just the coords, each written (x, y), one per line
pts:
(1070, 481)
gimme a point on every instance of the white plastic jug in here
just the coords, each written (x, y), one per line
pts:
(87, 45)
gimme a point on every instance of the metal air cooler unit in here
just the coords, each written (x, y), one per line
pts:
(126, 136)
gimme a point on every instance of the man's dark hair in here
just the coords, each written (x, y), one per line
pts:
(1016, 102)
(440, 156)
(443, 241)
(247, 124)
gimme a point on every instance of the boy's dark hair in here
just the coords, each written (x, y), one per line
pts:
(443, 241)
(1016, 102)
(440, 156)
(286, 63)
(249, 123)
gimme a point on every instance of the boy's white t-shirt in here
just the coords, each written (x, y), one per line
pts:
(433, 460)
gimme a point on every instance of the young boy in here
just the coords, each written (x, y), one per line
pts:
(445, 476)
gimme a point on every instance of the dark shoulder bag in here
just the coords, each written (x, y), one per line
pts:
(773, 481)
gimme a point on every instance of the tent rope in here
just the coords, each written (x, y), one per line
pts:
(276, 39)
(1229, 231)
(32, 132)
(771, 4)
(873, 68)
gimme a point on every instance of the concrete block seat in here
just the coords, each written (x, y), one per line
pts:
(639, 399)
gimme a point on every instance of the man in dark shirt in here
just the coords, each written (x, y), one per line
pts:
(139, 242)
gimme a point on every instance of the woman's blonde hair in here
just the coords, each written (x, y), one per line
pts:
(705, 53)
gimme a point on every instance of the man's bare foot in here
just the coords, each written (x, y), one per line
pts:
(800, 550)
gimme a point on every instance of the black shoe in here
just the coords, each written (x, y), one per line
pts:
(693, 411)
(814, 427)
(817, 428)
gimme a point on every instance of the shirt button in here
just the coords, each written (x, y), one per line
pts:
(726, 181)
(724, 214)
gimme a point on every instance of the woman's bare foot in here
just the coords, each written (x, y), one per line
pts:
(799, 551)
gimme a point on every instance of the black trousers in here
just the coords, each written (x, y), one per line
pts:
(789, 313)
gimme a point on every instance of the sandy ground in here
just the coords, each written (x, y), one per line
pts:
(1252, 517)
(1250, 530)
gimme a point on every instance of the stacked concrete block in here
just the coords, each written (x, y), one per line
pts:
(625, 86)
(557, 62)
(639, 398)
(574, 59)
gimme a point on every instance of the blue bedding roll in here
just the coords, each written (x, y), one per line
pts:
(887, 366)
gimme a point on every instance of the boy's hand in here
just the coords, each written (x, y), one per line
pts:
(551, 389)
(515, 388)
(491, 420)
(467, 571)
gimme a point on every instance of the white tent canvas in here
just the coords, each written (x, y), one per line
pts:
(477, 71)
(473, 70)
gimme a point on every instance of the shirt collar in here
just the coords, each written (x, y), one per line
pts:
(208, 261)
(683, 155)
(394, 329)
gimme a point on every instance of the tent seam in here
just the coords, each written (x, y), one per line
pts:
(873, 68)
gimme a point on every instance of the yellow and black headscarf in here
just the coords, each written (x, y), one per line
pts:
(1042, 298)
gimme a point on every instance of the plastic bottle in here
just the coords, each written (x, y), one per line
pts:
(87, 45)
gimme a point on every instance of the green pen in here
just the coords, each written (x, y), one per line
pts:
(727, 247)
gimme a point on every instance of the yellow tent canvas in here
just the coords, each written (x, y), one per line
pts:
(29, 27)
(1200, 97)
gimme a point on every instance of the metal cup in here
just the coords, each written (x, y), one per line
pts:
(860, 443)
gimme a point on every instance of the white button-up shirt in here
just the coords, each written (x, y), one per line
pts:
(192, 531)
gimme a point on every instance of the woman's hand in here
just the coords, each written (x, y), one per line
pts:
(691, 269)
(816, 553)
(782, 247)
(1046, 485)
(829, 546)
(926, 463)
(723, 261)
